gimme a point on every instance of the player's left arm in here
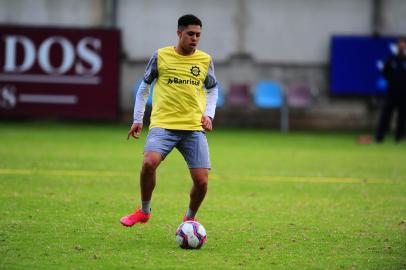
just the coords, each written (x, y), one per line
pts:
(210, 83)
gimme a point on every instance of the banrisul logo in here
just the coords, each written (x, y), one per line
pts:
(180, 81)
(195, 70)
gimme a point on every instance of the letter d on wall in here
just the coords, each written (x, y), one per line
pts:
(10, 64)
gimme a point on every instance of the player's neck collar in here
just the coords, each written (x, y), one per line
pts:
(184, 55)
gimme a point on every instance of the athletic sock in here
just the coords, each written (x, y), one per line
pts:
(146, 207)
(190, 213)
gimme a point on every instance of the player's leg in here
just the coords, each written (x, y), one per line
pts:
(147, 185)
(200, 177)
(148, 175)
(195, 150)
(159, 144)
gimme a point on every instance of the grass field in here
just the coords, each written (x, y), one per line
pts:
(275, 201)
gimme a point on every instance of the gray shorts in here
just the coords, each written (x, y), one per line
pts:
(191, 144)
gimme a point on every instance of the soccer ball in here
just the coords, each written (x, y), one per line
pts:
(191, 235)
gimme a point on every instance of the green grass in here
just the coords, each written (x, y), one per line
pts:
(280, 201)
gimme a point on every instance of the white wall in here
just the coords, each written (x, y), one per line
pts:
(273, 30)
(394, 19)
(297, 31)
(150, 24)
(75, 13)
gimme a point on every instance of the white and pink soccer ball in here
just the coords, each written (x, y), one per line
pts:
(191, 235)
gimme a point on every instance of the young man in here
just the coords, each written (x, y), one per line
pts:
(183, 107)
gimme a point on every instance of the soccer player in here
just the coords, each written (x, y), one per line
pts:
(183, 107)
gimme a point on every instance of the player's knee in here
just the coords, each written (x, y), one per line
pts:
(201, 183)
(150, 164)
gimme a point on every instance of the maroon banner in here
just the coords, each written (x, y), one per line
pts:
(58, 72)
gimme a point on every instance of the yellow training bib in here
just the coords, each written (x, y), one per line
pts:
(179, 97)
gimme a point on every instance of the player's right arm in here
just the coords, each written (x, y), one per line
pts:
(151, 73)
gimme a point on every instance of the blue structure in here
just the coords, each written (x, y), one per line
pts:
(356, 64)
(268, 94)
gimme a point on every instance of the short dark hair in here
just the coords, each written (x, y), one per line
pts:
(188, 19)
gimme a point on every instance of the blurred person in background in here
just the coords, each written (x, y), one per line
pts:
(183, 107)
(395, 100)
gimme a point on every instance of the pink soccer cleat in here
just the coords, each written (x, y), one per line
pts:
(137, 217)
